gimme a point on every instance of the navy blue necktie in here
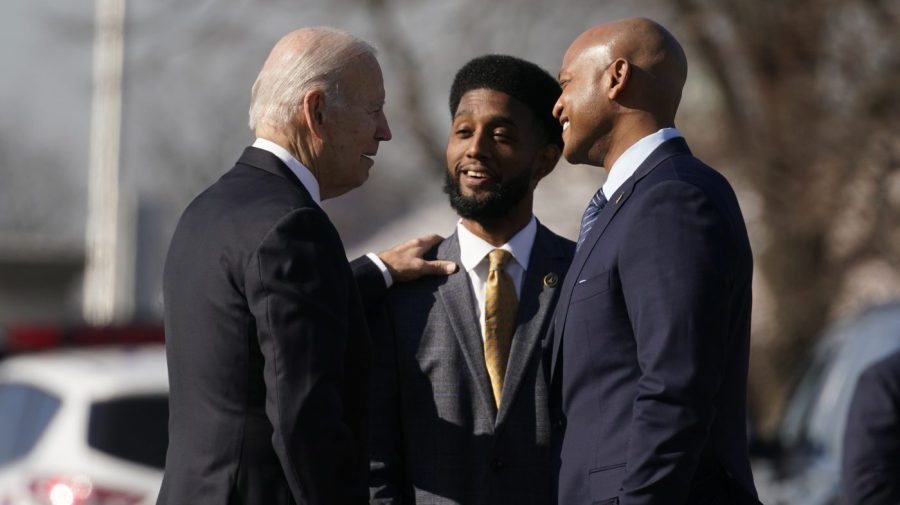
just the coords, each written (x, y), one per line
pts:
(590, 215)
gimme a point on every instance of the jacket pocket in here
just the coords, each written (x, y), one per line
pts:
(586, 288)
(605, 484)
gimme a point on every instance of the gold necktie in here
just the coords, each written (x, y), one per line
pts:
(500, 305)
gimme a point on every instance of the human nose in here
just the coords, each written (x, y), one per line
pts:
(477, 147)
(558, 108)
(383, 131)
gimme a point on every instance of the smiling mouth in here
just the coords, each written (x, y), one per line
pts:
(475, 173)
(565, 124)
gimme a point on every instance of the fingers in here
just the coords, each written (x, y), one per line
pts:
(405, 263)
(438, 267)
(426, 242)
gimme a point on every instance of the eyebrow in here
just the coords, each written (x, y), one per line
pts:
(502, 120)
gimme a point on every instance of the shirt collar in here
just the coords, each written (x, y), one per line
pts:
(306, 177)
(631, 159)
(473, 249)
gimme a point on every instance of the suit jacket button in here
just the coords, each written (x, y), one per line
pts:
(497, 464)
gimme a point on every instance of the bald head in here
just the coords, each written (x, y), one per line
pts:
(621, 81)
(658, 61)
(303, 60)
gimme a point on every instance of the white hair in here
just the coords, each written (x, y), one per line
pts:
(315, 59)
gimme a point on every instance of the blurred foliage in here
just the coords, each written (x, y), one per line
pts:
(811, 116)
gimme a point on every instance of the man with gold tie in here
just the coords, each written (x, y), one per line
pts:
(458, 401)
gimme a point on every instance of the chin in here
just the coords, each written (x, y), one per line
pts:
(574, 157)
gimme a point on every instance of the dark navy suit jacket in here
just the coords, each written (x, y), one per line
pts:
(871, 458)
(267, 348)
(650, 347)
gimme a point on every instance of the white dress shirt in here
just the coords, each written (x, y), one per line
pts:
(312, 185)
(631, 159)
(473, 253)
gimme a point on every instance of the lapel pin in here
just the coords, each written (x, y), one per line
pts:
(550, 280)
(619, 198)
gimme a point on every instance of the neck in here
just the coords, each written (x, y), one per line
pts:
(629, 131)
(498, 231)
(295, 145)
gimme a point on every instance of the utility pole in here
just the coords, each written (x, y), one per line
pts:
(109, 272)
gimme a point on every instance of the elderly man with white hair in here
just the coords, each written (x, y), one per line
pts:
(266, 340)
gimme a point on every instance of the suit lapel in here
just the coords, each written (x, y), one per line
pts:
(459, 304)
(665, 151)
(534, 310)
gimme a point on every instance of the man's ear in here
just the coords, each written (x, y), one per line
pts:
(619, 73)
(547, 159)
(313, 111)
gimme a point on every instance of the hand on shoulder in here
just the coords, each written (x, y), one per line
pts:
(405, 261)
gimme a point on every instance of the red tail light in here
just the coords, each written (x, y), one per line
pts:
(78, 491)
(20, 338)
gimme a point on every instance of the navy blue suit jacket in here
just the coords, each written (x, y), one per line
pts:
(650, 348)
(871, 458)
(267, 347)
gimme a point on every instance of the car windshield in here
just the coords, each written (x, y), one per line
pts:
(25, 412)
(133, 428)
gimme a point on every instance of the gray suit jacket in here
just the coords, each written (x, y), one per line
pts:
(436, 436)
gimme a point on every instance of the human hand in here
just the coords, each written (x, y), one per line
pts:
(405, 263)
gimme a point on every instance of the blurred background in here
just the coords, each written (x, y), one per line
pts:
(116, 113)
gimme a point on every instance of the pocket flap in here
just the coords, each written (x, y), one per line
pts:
(586, 288)
(606, 482)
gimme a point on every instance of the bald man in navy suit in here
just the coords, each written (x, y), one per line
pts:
(650, 345)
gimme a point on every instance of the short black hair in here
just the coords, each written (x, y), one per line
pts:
(520, 79)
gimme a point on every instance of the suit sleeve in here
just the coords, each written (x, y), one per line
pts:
(369, 281)
(387, 470)
(675, 281)
(297, 289)
(871, 457)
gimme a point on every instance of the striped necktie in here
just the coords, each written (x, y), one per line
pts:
(500, 306)
(590, 215)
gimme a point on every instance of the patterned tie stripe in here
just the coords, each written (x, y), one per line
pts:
(500, 306)
(591, 213)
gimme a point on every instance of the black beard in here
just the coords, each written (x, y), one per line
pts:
(497, 204)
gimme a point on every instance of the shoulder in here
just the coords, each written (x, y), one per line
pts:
(684, 182)
(547, 241)
(447, 249)
(254, 197)
(686, 169)
(248, 207)
(883, 374)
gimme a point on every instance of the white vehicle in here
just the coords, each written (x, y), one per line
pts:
(83, 426)
(802, 465)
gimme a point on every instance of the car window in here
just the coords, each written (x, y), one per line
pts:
(133, 428)
(816, 413)
(25, 412)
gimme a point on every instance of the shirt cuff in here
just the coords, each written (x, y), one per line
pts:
(388, 280)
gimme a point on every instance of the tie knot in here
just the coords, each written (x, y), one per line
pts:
(599, 200)
(499, 258)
